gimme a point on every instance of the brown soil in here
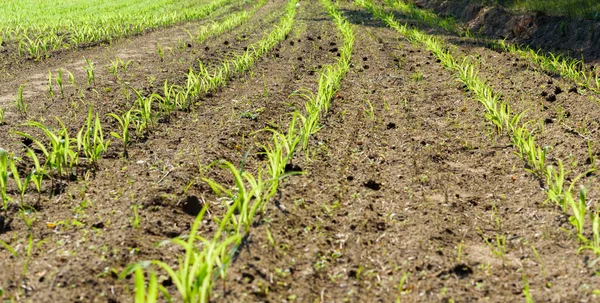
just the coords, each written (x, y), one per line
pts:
(421, 185)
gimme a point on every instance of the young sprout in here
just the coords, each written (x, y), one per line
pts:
(4, 167)
(89, 69)
(50, 91)
(124, 121)
(2, 112)
(72, 79)
(61, 156)
(125, 66)
(59, 81)
(113, 68)
(161, 53)
(39, 172)
(90, 139)
(19, 103)
(21, 184)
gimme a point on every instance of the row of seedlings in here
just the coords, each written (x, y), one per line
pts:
(570, 199)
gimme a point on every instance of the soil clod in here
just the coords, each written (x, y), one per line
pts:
(374, 185)
(191, 205)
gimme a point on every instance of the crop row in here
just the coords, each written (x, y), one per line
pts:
(70, 28)
(207, 259)
(65, 152)
(251, 192)
(568, 68)
(523, 139)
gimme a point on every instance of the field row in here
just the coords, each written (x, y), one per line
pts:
(294, 151)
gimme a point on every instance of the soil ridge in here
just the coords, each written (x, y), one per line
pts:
(575, 37)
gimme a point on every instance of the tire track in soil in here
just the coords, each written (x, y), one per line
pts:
(157, 171)
(398, 194)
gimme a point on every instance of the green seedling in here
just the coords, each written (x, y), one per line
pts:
(5, 160)
(90, 139)
(594, 244)
(2, 112)
(578, 207)
(136, 218)
(125, 66)
(72, 79)
(21, 184)
(401, 287)
(113, 68)
(61, 156)
(591, 156)
(59, 81)
(247, 196)
(369, 110)
(526, 291)
(124, 121)
(39, 172)
(89, 70)
(50, 91)
(19, 103)
(144, 117)
(161, 53)
(193, 277)
(417, 76)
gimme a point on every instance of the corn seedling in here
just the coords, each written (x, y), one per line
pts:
(526, 291)
(279, 153)
(143, 116)
(125, 66)
(50, 90)
(89, 70)
(19, 103)
(113, 67)
(401, 286)
(578, 207)
(59, 81)
(124, 121)
(135, 222)
(4, 167)
(195, 273)
(21, 184)
(39, 172)
(90, 139)
(72, 79)
(61, 156)
(161, 53)
(594, 243)
(247, 196)
(2, 112)
(369, 110)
